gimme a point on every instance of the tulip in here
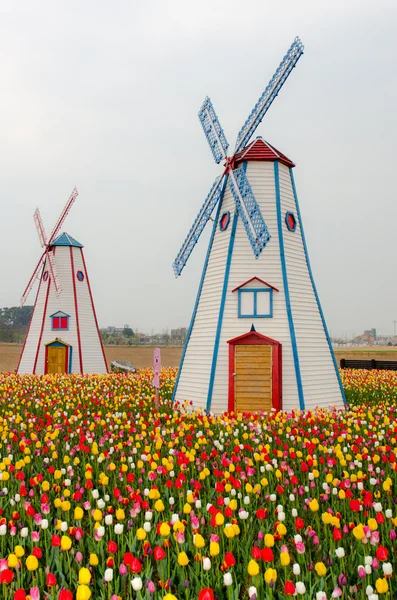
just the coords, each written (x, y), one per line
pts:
(66, 543)
(206, 563)
(136, 584)
(183, 559)
(253, 568)
(381, 585)
(108, 575)
(32, 563)
(84, 576)
(227, 579)
(83, 593)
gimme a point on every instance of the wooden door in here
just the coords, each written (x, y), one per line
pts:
(56, 359)
(253, 377)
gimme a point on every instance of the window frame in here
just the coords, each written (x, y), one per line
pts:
(255, 314)
(59, 318)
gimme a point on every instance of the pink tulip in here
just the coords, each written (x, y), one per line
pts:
(361, 572)
(34, 593)
(123, 569)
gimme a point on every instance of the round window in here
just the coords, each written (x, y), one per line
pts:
(45, 275)
(224, 221)
(290, 221)
(80, 275)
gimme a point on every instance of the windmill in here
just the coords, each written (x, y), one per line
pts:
(226, 365)
(63, 307)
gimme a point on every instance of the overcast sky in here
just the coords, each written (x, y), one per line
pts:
(105, 95)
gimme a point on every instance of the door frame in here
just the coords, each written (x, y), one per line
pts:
(68, 355)
(257, 339)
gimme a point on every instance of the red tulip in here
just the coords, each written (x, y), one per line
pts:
(127, 559)
(21, 595)
(6, 576)
(158, 553)
(55, 540)
(206, 594)
(229, 559)
(354, 505)
(51, 580)
(136, 565)
(112, 547)
(380, 518)
(37, 552)
(64, 595)
(261, 514)
(256, 552)
(289, 588)
(299, 523)
(337, 534)
(382, 553)
(267, 555)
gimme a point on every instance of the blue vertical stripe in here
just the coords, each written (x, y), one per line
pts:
(189, 332)
(70, 358)
(221, 311)
(314, 287)
(286, 290)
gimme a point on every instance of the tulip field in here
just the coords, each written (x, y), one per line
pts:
(104, 497)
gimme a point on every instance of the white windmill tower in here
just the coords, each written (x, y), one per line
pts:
(258, 337)
(63, 334)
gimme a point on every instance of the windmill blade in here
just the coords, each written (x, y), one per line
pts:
(200, 222)
(63, 216)
(40, 228)
(265, 101)
(213, 131)
(248, 208)
(53, 272)
(32, 279)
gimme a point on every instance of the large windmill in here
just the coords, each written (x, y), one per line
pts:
(63, 334)
(257, 338)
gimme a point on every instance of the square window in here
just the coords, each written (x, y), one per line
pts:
(255, 303)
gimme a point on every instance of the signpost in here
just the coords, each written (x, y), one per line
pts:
(157, 367)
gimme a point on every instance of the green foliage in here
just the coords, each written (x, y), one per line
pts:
(14, 322)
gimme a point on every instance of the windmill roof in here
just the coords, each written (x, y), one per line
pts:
(259, 149)
(66, 240)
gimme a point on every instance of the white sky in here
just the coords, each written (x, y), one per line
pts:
(105, 95)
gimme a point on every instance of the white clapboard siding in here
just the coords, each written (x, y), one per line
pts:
(320, 384)
(41, 323)
(319, 381)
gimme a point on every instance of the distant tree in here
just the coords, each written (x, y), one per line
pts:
(127, 332)
(14, 322)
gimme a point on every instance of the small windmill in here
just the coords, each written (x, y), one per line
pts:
(63, 307)
(226, 365)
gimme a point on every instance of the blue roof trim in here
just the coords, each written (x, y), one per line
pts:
(66, 240)
(59, 313)
(342, 391)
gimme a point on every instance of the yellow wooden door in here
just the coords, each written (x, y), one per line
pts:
(253, 378)
(56, 359)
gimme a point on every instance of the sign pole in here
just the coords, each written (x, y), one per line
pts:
(156, 379)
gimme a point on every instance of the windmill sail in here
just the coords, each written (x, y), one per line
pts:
(213, 131)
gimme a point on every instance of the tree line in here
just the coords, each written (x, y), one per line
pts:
(14, 322)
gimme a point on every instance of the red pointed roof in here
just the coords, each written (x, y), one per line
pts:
(259, 149)
(255, 279)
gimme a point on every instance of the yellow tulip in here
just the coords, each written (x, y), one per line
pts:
(183, 559)
(253, 568)
(271, 575)
(198, 541)
(97, 515)
(120, 514)
(165, 529)
(285, 559)
(269, 540)
(78, 513)
(313, 505)
(219, 519)
(159, 506)
(12, 561)
(381, 585)
(141, 534)
(84, 576)
(19, 551)
(214, 549)
(66, 542)
(94, 560)
(32, 563)
(321, 569)
(83, 593)
(358, 532)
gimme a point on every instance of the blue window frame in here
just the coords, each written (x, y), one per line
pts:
(255, 302)
(290, 221)
(224, 221)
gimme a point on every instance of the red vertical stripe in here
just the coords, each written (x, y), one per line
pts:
(93, 308)
(76, 310)
(42, 325)
(31, 318)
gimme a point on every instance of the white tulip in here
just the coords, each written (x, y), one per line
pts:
(3, 529)
(95, 494)
(340, 552)
(109, 519)
(387, 568)
(227, 578)
(64, 526)
(118, 528)
(44, 524)
(24, 532)
(148, 515)
(206, 563)
(300, 588)
(101, 503)
(252, 591)
(296, 569)
(136, 584)
(147, 526)
(108, 576)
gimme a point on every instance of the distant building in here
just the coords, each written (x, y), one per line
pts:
(371, 333)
